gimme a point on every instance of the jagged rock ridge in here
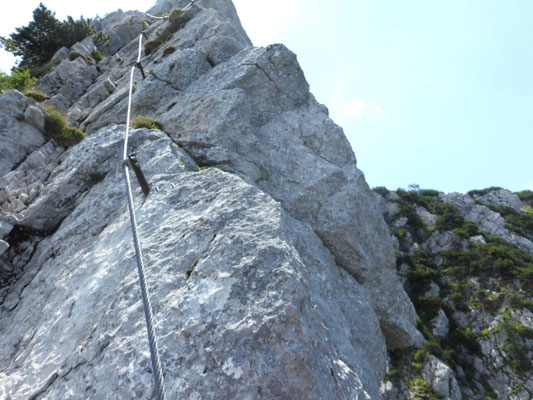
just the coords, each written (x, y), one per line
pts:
(272, 274)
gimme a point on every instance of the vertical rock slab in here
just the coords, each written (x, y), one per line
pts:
(254, 115)
(21, 129)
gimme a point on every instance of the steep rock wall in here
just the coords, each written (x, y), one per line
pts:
(272, 274)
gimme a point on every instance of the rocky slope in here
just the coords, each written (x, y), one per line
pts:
(467, 264)
(270, 265)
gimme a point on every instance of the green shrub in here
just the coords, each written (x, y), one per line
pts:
(496, 258)
(37, 42)
(97, 177)
(97, 55)
(43, 69)
(38, 95)
(19, 79)
(526, 196)
(482, 191)
(382, 190)
(57, 128)
(422, 390)
(150, 46)
(514, 333)
(142, 121)
(519, 222)
(169, 50)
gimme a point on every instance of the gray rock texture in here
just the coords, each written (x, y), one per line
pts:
(476, 311)
(442, 379)
(69, 79)
(486, 219)
(283, 119)
(21, 129)
(500, 197)
(249, 302)
(271, 268)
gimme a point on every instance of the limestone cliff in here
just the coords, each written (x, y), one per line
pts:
(466, 261)
(270, 265)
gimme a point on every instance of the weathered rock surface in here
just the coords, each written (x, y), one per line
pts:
(250, 303)
(476, 316)
(272, 275)
(21, 129)
(69, 80)
(500, 197)
(283, 119)
(442, 379)
(487, 220)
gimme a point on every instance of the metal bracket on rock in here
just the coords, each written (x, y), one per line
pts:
(139, 65)
(133, 163)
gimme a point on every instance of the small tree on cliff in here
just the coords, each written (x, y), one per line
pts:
(37, 42)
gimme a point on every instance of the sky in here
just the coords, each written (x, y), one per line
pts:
(434, 93)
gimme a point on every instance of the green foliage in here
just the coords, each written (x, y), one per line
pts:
(514, 334)
(519, 222)
(150, 46)
(169, 50)
(517, 301)
(448, 217)
(58, 129)
(393, 376)
(497, 258)
(38, 95)
(19, 79)
(43, 69)
(382, 190)
(415, 226)
(422, 390)
(176, 20)
(482, 192)
(423, 271)
(97, 55)
(37, 42)
(97, 177)
(526, 196)
(486, 276)
(142, 121)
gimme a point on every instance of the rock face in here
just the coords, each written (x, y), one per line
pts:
(21, 127)
(270, 265)
(237, 284)
(487, 219)
(467, 268)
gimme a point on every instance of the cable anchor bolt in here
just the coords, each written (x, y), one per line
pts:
(139, 65)
(133, 163)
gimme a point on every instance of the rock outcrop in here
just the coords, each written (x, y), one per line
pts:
(270, 265)
(468, 269)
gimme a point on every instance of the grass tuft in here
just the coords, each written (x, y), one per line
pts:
(142, 121)
(57, 128)
(38, 95)
(76, 54)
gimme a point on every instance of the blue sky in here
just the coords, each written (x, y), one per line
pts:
(437, 93)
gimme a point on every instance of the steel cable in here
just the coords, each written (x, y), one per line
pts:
(152, 339)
